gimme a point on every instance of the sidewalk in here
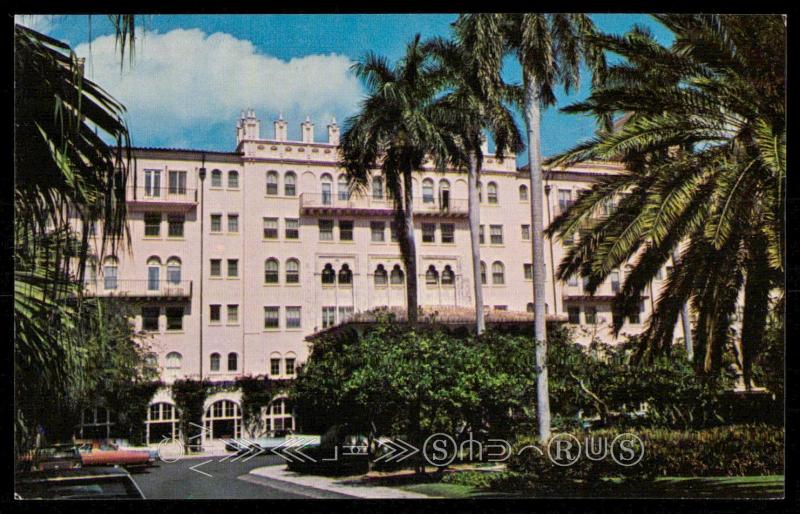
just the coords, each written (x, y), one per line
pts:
(343, 485)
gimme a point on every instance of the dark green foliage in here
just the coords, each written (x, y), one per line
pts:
(189, 396)
(257, 394)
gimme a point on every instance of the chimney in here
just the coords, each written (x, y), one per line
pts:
(333, 132)
(307, 130)
(281, 128)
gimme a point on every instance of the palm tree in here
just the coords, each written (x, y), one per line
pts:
(706, 150)
(464, 112)
(395, 131)
(549, 48)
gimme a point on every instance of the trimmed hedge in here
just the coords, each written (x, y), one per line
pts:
(735, 450)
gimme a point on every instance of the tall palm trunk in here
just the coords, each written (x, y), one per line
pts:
(687, 328)
(409, 248)
(474, 220)
(532, 122)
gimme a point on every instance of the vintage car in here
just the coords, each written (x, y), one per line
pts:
(77, 484)
(58, 456)
(101, 453)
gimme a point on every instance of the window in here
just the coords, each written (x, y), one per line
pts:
(328, 274)
(214, 362)
(293, 317)
(174, 360)
(233, 313)
(529, 307)
(272, 183)
(569, 239)
(233, 361)
(290, 365)
(175, 225)
(292, 228)
(572, 281)
(590, 312)
(343, 188)
(659, 274)
(483, 273)
(481, 235)
(480, 192)
(429, 232)
(153, 274)
(215, 313)
(448, 277)
(564, 200)
(271, 271)
(501, 307)
(498, 273)
(161, 422)
(152, 224)
(377, 229)
(444, 194)
(152, 183)
(633, 317)
(526, 232)
(290, 184)
(491, 192)
(177, 182)
(614, 275)
(233, 268)
(377, 188)
(345, 230)
(274, 366)
(523, 193)
(233, 179)
(110, 273)
(431, 276)
(150, 318)
(216, 268)
(397, 276)
(527, 270)
(216, 223)
(574, 315)
(345, 313)
(427, 191)
(345, 275)
(233, 223)
(174, 318)
(272, 317)
(216, 178)
(326, 230)
(223, 420)
(380, 277)
(448, 233)
(585, 283)
(328, 317)
(90, 271)
(327, 189)
(616, 318)
(394, 228)
(270, 228)
(496, 234)
(292, 271)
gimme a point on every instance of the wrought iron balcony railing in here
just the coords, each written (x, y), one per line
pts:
(155, 196)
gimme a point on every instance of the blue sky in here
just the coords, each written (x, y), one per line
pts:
(193, 74)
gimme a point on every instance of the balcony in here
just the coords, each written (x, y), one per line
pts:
(161, 198)
(139, 288)
(326, 204)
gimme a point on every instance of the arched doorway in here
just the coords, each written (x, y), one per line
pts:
(162, 422)
(223, 420)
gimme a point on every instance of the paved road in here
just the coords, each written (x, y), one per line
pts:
(177, 481)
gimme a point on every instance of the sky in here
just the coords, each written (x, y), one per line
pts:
(192, 75)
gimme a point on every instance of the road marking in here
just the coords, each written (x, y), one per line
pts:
(194, 468)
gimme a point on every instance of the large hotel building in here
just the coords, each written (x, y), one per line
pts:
(236, 257)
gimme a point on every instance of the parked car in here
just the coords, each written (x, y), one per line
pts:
(58, 456)
(77, 484)
(101, 453)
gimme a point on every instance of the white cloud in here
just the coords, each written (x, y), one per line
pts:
(184, 82)
(39, 22)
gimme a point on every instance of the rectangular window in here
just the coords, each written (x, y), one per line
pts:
(572, 281)
(215, 313)
(177, 182)
(326, 230)
(174, 318)
(448, 233)
(216, 223)
(275, 366)
(233, 313)
(481, 235)
(270, 228)
(429, 232)
(216, 268)
(633, 317)
(496, 234)
(150, 318)
(175, 222)
(289, 366)
(528, 271)
(591, 315)
(233, 223)
(328, 317)
(233, 268)
(233, 180)
(585, 283)
(501, 307)
(272, 317)
(526, 232)
(574, 315)
(345, 230)
(614, 275)
(152, 183)
(345, 313)
(292, 228)
(152, 224)
(216, 178)
(377, 229)
(292, 317)
(564, 200)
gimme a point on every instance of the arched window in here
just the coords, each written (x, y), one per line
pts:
(290, 184)
(292, 271)
(480, 192)
(272, 182)
(214, 361)
(345, 275)
(483, 273)
(328, 274)
(398, 277)
(377, 188)
(444, 194)
(523, 193)
(529, 307)
(174, 362)
(491, 195)
(174, 270)
(233, 361)
(427, 191)
(223, 420)
(153, 273)
(279, 416)
(271, 271)
(326, 183)
(343, 187)
(90, 270)
(431, 276)
(380, 277)
(110, 272)
(498, 273)
(162, 422)
(216, 178)
(448, 277)
(233, 179)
